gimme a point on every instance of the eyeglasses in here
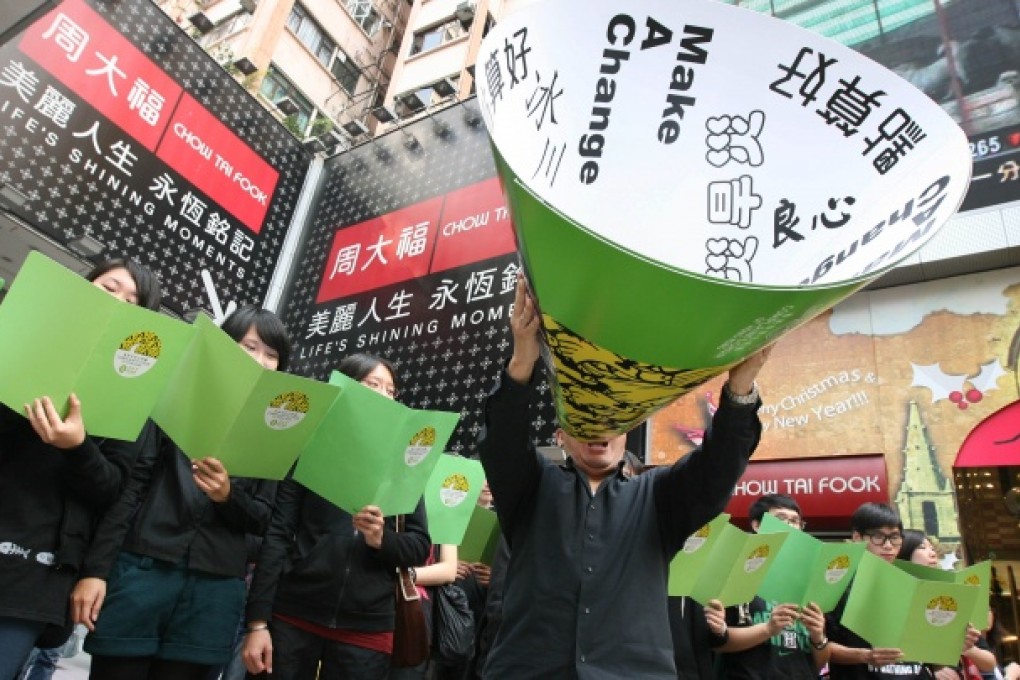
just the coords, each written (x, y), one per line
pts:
(878, 539)
(792, 519)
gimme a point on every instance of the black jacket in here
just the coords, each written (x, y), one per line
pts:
(50, 501)
(162, 514)
(314, 566)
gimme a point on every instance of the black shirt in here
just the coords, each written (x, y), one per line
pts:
(586, 586)
(786, 655)
(314, 565)
(840, 634)
(49, 502)
(693, 640)
(162, 514)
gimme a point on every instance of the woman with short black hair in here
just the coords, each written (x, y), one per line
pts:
(166, 606)
(325, 581)
(55, 480)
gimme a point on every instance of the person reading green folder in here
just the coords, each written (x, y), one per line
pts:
(181, 528)
(334, 603)
(721, 562)
(450, 497)
(978, 575)
(263, 418)
(808, 570)
(60, 334)
(886, 626)
(56, 481)
(480, 537)
(388, 450)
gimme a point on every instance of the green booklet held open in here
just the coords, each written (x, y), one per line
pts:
(926, 620)
(979, 575)
(450, 496)
(60, 334)
(372, 450)
(721, 562)
(806, 569)
(222, 403)
(481, 537)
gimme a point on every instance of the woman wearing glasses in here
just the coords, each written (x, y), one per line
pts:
(322, 598)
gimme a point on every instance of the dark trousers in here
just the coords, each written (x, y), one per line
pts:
(297, 654)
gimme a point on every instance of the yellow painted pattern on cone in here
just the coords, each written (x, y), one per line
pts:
(599, 394)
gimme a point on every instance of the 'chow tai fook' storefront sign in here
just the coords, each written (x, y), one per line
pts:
(828, 490)
(119, 126)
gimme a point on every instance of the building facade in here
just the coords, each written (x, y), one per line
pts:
(317, 64)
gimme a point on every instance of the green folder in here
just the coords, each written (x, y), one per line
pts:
(926, 620)
(808, 570)
(733, 568)
(686, 567)
(481, 537)
(372, 450)
(979, 575)
(60, 334)
(222, 403)
(450, 496)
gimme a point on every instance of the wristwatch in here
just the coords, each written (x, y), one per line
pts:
(745, 399)
(820, 645)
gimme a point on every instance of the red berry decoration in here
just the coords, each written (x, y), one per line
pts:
(974, 396)
(956, 396)
(963, 405)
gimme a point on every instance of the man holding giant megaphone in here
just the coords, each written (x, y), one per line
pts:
(688, 181)
(590, 547)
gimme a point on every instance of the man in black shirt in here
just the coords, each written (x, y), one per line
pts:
(589, 546)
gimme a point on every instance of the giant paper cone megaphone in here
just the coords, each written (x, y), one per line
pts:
(690, 180)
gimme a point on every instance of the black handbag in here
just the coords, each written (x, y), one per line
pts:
(453, 625)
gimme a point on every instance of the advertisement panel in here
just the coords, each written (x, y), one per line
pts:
(120, 127)
(908, 371)
(964, 55)
(411, 256)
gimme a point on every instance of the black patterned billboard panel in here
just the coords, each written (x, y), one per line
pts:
(115, 124)
(411, 256)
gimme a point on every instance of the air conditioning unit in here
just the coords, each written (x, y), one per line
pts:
(465, 11)
(202, 22)
(355, 128)
(287, 106)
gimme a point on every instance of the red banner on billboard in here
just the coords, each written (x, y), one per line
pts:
(828, 490)
(207, 154)
(465, 226)
(81, 50)
(475, 226)
(388, 249)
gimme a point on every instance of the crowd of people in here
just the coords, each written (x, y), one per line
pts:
(180, 571)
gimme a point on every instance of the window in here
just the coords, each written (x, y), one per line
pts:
(311, 34)
(431, 38)
(346, 73)
(365, 15)
(930, 517)
(276, 86)
(325, 50)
